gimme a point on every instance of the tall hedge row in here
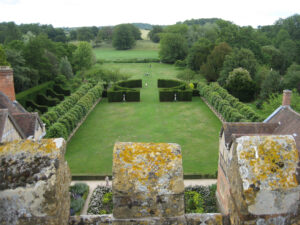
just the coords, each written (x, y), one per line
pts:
(228, 106)
(59, 110)
(67, 122)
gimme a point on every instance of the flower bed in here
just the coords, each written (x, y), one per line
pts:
(198, 199)
(79, 193)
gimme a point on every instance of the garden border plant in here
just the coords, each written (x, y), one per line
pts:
(127, 88)
(79, 193)
(169, 87)
(197, 199)
(231, 109)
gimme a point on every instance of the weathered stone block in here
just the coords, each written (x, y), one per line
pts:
(34, 184)
(263, 179)
(147, 180)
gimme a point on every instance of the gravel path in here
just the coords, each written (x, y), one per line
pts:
(93, 184)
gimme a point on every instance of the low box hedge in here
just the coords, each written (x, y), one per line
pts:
(31, 93)
(60, 90)
(169, 88)
(42, 99)
(33, 105)
(53, 94)
(116, 92)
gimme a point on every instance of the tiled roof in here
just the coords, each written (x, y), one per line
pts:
(289, 123)
(24, 121)
(4, 115)
(232, 130)
(27, 122)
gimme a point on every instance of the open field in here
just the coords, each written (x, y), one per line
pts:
(143, 50)
(190, 124)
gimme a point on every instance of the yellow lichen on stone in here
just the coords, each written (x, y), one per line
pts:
(267, 162)
(44, 147)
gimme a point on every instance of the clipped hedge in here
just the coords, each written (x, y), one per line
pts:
(42, 99)
(228, 106)
(33, 105)
(74, 113)
(31, 93)
(169, 88)
(116, 92)
(60, 90)
(53, 94)
(59, 110)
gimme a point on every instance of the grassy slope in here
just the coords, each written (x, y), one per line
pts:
(190, 124)
(143, 49)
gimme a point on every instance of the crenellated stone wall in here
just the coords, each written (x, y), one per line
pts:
(34, 183)
(256, 184)
(261, 174)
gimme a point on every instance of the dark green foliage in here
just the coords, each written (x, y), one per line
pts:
(271, 84)
(71, 111)
(228, 106)
(154, 33)
(83, 57)
(193, 202)
(173, 46)
(206, 193)
(240, 85)
(79, 192)
(166, 83)
(60, 90)
(211, 69)
(124, 36)
(238, 58)
(31, 93)
(57, 130)
(116, 92)
(53, 94)
(42, 99)
(3, 61)
(170, 88)
(115, 96)
(131, 83)
(198, 53)
(166, 95)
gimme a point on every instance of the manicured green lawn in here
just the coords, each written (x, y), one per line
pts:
(190, 124)
(143, 50)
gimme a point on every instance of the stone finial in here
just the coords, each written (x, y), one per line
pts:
(34, 183)
(147, 180)
(286, 98)
(7, 82)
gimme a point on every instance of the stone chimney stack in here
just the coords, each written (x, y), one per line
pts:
(286, 98)
(7, 82)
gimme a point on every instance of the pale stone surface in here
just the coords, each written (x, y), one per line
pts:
(267, 167)
(148, 180)
(34, 183)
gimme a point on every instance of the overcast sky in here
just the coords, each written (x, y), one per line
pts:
(75, 13)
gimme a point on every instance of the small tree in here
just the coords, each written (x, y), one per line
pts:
(211, 69)
(154, 33)
(65, 67)
(172, 47)
(123, 37)
(271, 84)
(240, 84)
(83, 56)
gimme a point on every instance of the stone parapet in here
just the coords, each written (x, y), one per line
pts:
(187, 219)
(262, 180)
(147, 180)
(34, 183)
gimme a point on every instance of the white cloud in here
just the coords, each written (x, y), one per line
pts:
(110, 12)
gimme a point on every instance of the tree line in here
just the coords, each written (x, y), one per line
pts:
(250, 63)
